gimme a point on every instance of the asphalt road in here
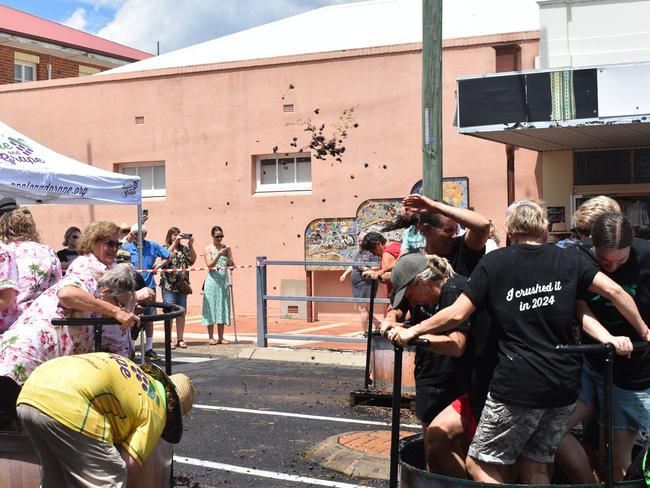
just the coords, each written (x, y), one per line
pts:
(248, 449)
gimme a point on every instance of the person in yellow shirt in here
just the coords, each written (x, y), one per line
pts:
(79, 411)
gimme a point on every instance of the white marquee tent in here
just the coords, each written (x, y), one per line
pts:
(33, 173)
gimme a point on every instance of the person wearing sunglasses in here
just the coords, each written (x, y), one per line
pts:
(38, 266)
(69, 252)
(33, 340)
(216, 304)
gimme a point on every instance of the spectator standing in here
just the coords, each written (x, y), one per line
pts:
(361, 287)
(151, 253)
(125, 234)
(216, 304)
(38, 266)
(81, 411)
(175, 285)
(69, 252)
(375, 243)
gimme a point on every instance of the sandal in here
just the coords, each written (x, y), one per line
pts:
(223, 341)
(212, 342)
(181, 344)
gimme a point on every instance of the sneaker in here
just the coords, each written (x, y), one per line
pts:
(151, 355)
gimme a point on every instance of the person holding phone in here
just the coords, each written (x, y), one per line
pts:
(175, 285)
(216, 305)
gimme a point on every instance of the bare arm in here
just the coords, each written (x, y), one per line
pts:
(190, 245)
(207, 255)
(75, 298)
(451, 344)
(448, 318)
(478, 226)
(595, 329)
(623, 302)
(7, 298)
(345, 274)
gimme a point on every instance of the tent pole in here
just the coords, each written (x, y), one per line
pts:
(139, 244)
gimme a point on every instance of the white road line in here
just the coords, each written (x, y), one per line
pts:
(264, 474)
(302, 416)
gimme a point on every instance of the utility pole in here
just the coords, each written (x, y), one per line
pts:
(432, 98)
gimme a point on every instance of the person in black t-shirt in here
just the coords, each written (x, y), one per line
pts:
(422, 286)
(530, 290)
(438, 222)
(626, 260)
(69, 252)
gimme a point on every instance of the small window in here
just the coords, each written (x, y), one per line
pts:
(24, 72)
(152, 177)
(286, 173)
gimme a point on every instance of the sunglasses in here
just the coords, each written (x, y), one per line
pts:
(218, 236)
(111, 243)
(75, 237)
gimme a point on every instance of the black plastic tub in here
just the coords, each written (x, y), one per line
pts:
(414, 475)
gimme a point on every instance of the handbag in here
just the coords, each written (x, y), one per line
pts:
(185, 288)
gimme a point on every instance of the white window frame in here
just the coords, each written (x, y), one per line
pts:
(140, 167)
(275, 187)
(23, 65)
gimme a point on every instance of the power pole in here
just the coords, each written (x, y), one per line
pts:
(432, 98)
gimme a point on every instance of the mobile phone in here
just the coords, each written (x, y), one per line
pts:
(145, 213)
(186, 235)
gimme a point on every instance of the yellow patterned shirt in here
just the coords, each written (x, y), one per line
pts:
(103, 396)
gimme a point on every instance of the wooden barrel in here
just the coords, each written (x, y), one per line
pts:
(20, 467)
(382, 363)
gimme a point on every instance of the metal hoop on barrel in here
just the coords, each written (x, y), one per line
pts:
(170, 311)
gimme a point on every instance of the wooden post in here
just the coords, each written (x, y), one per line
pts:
(310, 292)
(432, 98)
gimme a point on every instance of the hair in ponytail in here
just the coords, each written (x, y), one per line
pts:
(438, 268)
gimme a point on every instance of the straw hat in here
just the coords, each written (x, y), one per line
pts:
(180, 396)
(125, 226)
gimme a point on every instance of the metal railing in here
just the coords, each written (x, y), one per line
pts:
(170, 311)
(262, 298)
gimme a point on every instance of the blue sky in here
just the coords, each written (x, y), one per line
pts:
(175, 23)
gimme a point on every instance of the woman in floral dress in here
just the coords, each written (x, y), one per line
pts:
(38, 266)
(171, 282)
(8, 286)
(32, 339)
(216, 306)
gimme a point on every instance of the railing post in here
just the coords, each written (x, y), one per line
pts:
(262, 325)
(609, 429)
(97, 330)
(168, 342)
(397, 403)
(371, 312)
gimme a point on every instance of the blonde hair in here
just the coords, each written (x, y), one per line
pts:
(494, 234)
(526, 217)
(438, 268)
(96, 231)
(18, 225)
(591, 210)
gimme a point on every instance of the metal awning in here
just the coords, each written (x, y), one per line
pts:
(555, 110)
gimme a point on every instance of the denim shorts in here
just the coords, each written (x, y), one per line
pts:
(506, 432)
(630, 408)
(175, 298)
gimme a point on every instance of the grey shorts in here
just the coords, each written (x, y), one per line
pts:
(506, 432)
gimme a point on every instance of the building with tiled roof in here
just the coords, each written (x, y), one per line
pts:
(33, 48)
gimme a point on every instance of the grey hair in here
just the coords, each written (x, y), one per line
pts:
(118, 279)
(438, 268)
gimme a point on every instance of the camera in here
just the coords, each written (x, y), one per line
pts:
(186, 235)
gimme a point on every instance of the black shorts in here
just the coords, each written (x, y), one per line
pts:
(431, 400)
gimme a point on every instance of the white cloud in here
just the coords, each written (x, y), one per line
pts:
(77, 20)
(140, 23)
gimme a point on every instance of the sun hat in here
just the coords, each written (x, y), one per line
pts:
(125, 226)
(7, 204)
(180, 397)
(403, 273)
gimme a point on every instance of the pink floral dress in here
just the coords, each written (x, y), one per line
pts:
(32, 339)
(38, 269)
(8, 279)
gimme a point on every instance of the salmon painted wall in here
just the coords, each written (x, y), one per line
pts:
(207, 124)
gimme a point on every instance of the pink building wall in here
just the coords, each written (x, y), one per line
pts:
(199, 118)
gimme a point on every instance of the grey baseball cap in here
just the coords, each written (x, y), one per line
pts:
(403, 273)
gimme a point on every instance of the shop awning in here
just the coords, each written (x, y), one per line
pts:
(551, 110)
